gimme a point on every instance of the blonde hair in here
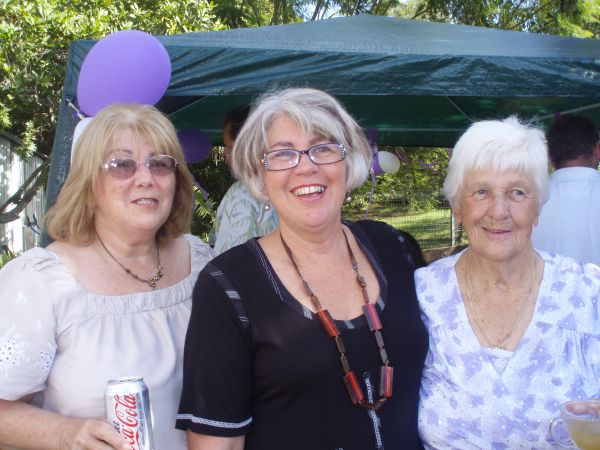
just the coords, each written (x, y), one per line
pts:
(317, 114)
(71, 219)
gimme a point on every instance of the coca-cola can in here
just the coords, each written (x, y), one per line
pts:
(128, 410)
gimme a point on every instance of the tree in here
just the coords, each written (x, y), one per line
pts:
(12, 207)
(34, 40)
(415, 187)
(248, 13)
(577, 18)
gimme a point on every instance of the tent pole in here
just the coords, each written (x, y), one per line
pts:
(458, 108)
(567, 111)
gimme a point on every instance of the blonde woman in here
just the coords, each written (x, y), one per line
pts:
(110, 297)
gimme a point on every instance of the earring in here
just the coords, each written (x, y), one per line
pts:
(267, 206)
(348, 198)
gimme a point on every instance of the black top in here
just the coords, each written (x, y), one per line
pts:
(257, 362)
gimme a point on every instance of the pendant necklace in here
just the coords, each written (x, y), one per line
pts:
(386, 372)
(151, 282)
(501, 344)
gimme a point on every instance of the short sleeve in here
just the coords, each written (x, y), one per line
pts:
(201, 253)
(217, 367)
(241, 217)
(27, 325)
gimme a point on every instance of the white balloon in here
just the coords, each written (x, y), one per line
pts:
(83, 123)
(388, 162)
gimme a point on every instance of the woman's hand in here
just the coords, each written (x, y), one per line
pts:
(25, 426)
(91, 434)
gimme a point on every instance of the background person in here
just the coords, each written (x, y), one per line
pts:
(513, 332)
(569, 223)
(240, 216)
(110, 298)
(261, 370)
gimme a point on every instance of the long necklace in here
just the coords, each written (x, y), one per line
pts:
(386, 372)
(150, 281)
(524, 303)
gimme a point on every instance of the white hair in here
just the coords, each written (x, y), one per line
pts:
(502, 145)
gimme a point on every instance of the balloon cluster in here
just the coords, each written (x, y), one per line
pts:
(130, 67)
(381, 162)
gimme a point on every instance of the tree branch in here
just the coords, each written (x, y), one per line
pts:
(24, 194)
(318, 6)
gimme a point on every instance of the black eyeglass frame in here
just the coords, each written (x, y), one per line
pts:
(106, 166)
(304, 152)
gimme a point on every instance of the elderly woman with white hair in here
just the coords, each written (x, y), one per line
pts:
(514, 331)
(309, 337)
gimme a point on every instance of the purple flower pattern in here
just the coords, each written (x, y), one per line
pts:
(473, 397)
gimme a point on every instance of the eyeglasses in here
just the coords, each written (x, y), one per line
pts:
(289, 158)
(123, 168)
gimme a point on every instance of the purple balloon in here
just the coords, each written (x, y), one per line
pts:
(195, 144)
(125, 67)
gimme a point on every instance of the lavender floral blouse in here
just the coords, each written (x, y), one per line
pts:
(474, 397)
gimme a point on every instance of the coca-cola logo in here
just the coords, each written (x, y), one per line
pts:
(126, 412)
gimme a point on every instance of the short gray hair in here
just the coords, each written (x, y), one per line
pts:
(317, 114)
(503, 145)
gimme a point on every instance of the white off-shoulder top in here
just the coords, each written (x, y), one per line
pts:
(64, 343)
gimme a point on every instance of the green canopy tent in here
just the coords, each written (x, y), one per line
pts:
(418, 83)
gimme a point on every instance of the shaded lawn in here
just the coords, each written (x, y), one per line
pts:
(430, 228)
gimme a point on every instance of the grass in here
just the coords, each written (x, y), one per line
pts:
(430, 228)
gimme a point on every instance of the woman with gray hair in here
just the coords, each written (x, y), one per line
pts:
(514, 332)
(309, 337)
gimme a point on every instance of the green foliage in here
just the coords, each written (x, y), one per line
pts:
(323, 9)
(415, 187)
(248, 13)
(213, 175)
(204, 215)
(4, 117)
(578, 18)
(6, 257)
(35, 35)
(34, 40)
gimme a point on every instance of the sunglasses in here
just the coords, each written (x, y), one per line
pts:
(123, 168)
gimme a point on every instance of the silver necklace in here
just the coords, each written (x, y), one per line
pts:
(149, 281)
(501, 344)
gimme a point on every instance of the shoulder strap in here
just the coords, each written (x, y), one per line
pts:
(215, 271)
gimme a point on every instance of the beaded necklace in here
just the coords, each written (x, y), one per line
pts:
(151, 282)
(386, 371)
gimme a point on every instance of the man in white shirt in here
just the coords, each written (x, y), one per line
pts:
(240, 216)
(569, 223)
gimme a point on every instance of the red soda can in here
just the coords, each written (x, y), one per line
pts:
(128, 410)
